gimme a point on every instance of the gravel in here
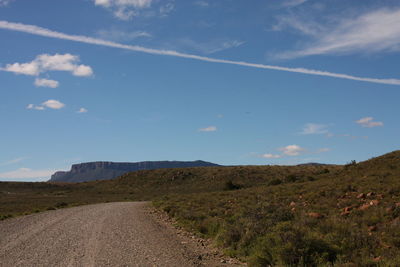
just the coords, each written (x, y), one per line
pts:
(111, 234)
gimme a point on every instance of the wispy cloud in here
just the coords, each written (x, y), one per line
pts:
(13, 161)
(300, 25)
(210, 47)
(121, 36)
(293, 3)
(314, 128)
(32, 29)
(371, 32)
(208, 129)
(82, 110)
(292, 150)
(51, 104)
(35, 107)
(349, 136)
(124, 9)
(5, 2)
(271, 156)
(323, 150)
(166, 9)
(46, 83)
(202, 3)
(369, 122)
(26, 173)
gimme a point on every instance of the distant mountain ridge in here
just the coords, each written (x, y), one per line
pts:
(106, 170)
(313, 164)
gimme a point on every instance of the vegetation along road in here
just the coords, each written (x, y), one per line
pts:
(111, 234)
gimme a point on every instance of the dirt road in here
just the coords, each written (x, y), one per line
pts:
(111, 234)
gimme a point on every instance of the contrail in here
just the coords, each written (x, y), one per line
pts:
(32, 29)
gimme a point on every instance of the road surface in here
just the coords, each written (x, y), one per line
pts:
(111, 234)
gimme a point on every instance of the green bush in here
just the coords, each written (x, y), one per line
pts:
(290, 246)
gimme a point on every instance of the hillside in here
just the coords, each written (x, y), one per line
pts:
(348, 217)
(20, 198)
(265, 215)
(104, 170)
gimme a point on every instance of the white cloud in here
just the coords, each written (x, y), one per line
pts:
(53, 104)
(82, 71)
(374, 31)
(31, 68)
(45, 62)
(369, 122)
(117, 35)
(313, 128)
(271, 156)
(124, 9)
(66, 62)
(291, 150)
(82, 110)
(124, 3)
(208, 129)
(46, 83)
(32, 29)
(26, 173)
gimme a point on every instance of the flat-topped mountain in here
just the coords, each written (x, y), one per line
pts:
(313, 164)
(105, 170)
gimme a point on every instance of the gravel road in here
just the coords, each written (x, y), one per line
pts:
(111, 234)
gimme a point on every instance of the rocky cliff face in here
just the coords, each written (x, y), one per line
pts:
(104, 170)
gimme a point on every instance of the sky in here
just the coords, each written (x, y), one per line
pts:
(226, 81)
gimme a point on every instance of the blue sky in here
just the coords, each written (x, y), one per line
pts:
(271, 82)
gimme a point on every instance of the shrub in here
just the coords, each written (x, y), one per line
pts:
(275, 181)
(61, 204)
(229, 185)
(324, 171)
(3, 217)
(311, 178)
(291, 178)
(290, 246)
(350, 164)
